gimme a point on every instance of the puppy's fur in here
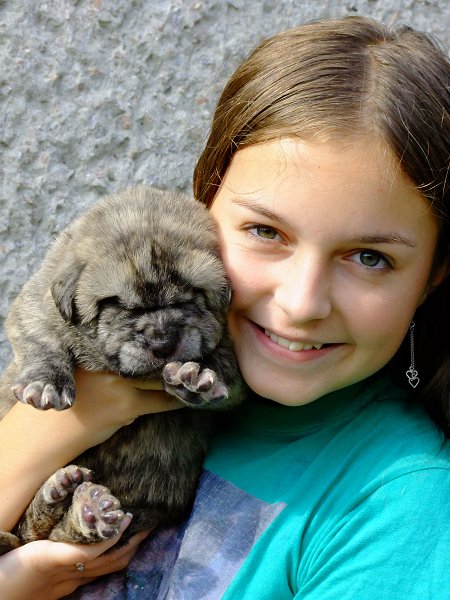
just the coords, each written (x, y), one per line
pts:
(135, 286)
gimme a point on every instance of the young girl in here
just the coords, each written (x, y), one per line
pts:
(326, 171)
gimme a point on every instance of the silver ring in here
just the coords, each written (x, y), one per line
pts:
(79, 566)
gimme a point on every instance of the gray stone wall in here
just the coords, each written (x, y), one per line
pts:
(96, 95)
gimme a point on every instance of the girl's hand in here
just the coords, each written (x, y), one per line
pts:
(35, 443)
(105, 402)
(46, 570)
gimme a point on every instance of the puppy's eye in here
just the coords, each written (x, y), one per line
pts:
(110, 302)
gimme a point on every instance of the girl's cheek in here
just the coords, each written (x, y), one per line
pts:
(236, 267)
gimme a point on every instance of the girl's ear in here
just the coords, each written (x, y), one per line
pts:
(437, 277)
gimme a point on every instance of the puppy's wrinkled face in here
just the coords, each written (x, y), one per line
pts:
(136, 312)
(138, 341)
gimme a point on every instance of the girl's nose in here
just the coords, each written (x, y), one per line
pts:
(302, 289)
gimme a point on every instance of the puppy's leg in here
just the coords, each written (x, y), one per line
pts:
(93, 516)
(51, 502)
(8, 541)
(40, 338)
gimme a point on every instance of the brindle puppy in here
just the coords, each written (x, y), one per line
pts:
(135, 286)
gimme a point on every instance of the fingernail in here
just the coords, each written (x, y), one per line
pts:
(125, 521)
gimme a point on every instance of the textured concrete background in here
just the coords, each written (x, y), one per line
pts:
(96, 95)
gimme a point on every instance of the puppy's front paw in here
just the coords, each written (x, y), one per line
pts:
(51, 389)
(193, 385)
(64, 482)
(96, 512)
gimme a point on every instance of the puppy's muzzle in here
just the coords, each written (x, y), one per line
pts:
(164, 346)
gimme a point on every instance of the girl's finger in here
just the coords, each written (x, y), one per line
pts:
(147, 384)
(71, 554)
(114, 560)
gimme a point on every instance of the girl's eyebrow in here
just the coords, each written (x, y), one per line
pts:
(389, 238)
(255, 206)
(372, 239)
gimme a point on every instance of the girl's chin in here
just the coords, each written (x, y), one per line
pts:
(284, 392)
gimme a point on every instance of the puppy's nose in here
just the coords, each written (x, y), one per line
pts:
(162, 347)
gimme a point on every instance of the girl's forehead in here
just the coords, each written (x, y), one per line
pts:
(362, 163)
(335, 154)
(354, 182)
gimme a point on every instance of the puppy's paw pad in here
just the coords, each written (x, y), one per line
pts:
(211, 397)
(99, 512)
(195, 386)
(190, 375)
(64, 482)
(204, 381)
(29, 393)
(44, 395)
(171, 373)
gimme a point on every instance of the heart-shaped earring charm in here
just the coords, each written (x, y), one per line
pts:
(412, 376)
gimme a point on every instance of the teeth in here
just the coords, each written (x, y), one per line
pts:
(293, 346)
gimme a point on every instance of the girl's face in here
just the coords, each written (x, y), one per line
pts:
(329, 249)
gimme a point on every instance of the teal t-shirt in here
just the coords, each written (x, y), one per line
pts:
(345, 498)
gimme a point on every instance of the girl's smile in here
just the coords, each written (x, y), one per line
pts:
(329, 249)
(284, 349)
(293, 345)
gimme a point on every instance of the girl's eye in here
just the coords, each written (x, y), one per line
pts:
(371, 259)
(263, 231)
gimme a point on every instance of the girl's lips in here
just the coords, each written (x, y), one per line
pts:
(293, 350)
(294, 346)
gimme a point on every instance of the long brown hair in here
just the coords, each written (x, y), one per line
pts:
(334, 78)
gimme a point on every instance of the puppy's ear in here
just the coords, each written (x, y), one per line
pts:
(63, 290)
(205, 271)
(219, 297)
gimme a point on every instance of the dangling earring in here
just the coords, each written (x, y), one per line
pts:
(411, 373)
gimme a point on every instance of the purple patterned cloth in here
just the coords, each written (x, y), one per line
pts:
(198, 560)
